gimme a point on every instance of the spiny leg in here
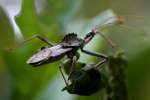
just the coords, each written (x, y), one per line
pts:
(94, 54)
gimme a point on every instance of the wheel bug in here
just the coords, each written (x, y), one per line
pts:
(68, 46)
(86, 81)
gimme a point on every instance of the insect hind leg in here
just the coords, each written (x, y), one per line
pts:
(94, 54)
(62, 74)
(45, 40)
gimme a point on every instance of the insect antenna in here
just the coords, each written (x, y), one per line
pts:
(123, 19)
(115, 20)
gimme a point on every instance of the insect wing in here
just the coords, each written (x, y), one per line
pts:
(47, 55)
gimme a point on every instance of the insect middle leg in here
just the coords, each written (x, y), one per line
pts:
(94, 53)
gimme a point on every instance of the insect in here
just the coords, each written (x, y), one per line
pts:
(86, 81)
(68, 46)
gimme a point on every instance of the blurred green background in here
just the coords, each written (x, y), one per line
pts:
(20, 19)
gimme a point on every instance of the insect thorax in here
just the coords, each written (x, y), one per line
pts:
(71, 40)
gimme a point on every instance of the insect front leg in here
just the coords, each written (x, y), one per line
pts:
(94, 53)
(108, 40)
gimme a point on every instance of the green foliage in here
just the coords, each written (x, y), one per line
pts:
(116, 86)
(6, 30)
(19, 81)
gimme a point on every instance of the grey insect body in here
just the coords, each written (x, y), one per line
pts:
(68, 46)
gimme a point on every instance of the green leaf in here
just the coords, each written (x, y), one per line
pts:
(6, 30)
(27, 20)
